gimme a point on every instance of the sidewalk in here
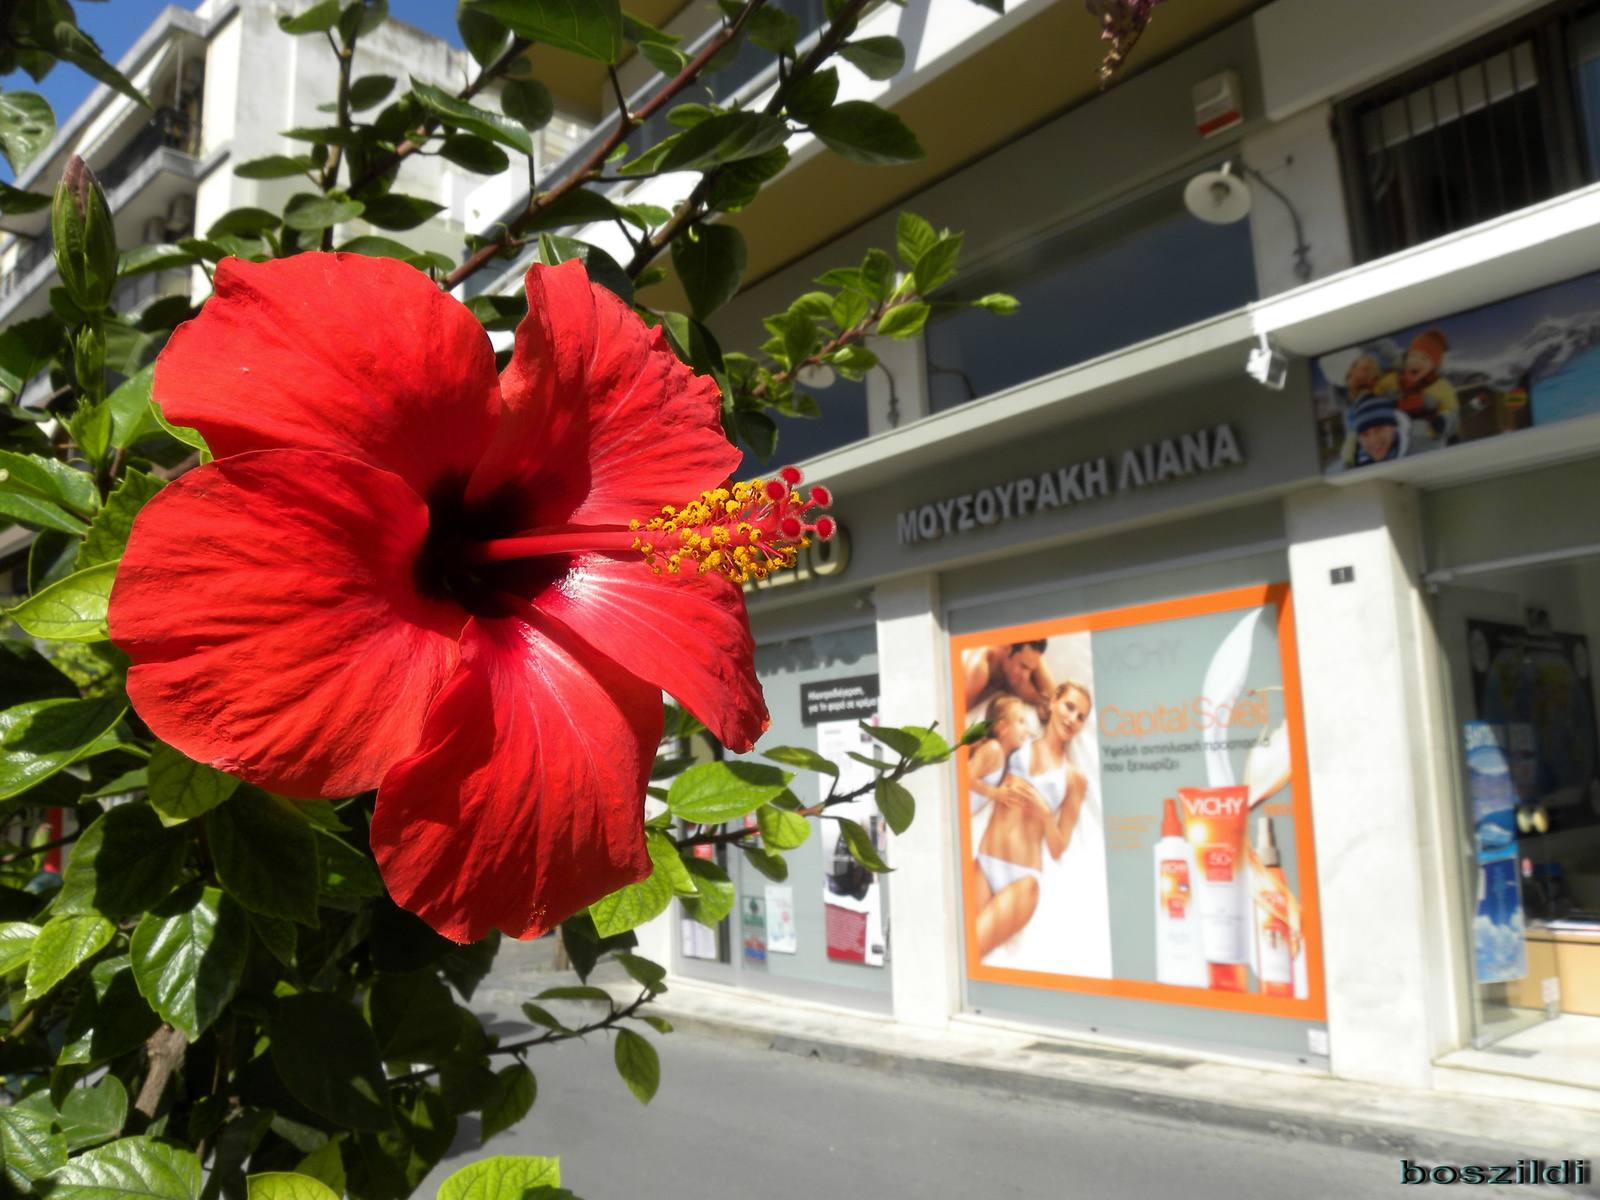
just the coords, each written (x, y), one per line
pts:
(1426, 1126)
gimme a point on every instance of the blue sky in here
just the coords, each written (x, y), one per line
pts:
(117, 24)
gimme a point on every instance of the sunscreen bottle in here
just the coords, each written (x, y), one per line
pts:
(1273, 952)
(1180, 956)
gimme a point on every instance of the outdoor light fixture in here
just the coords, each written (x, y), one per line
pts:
(1220, 198)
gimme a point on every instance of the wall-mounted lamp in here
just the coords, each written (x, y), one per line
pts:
(1221, 198)
(1267, 364)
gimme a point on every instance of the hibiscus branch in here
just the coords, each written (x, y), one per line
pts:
(693, 208)
(589, 169)
(35, 851)
(330, 171)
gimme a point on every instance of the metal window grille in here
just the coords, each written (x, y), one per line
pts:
(1485, 130)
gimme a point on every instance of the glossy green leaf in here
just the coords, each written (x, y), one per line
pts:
(157, 256)
(26, 126)
(592, 28)
(30, 1149)
(518, 1091)
(108, 532)
(326, 1166)
(998, 303)
(319, 18)
(71, 610)
(501, 1177)
(278, 935)
(773, 29)
(110, 1017)
(413, 1017)
(395, 211)
(312, 213)
(710, 261)
(189, 437)
(714, 892)
(860, 845)
(527, 102)
(16, 944)
(904, 320)
(369, 91)
(327, 1057)
(39, 738)
(937, 263)
(714, 792)
(771, 865)
(466, 966)
(799, 756)
(38, 514)
(344, 872)
(87, 1116)
(458, 114)
(476, 154)
(782, 830)
(903, 742)
(135, 1168)
(63, 943)
(483, 36)
(126, 862)
(875, 57)
(725, 138)
(601, 267)
(861, 132)
(287, 1185)
(181, 788)
(896, 804)
(48, 479)
(265, 854)
(274, 166)
(638, 1064)
(16, 201)
(913, 237)
(26, 675)
(188, 957)
(132, 420)
(631, 906)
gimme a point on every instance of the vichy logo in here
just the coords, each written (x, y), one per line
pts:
(1156, 462)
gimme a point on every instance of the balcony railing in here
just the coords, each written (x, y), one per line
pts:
(169, 128)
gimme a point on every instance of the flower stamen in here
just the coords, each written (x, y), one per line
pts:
(745, 531)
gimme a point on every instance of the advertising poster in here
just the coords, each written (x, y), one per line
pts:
(1500, 951)
(1137, 822)
(1528, 361)
(782, 938)
(855, 920)
(753, 923)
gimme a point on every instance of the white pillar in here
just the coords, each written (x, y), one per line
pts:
(1370, 724)
(897, 389)
(913, 687)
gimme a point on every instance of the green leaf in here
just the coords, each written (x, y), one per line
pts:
(501, 1177)
(110, 1017)
(156, 256)
(602, 268)
(904, 320)
(913, 237)
(312, 213)
(570, 992)
(131, 418)
(937, 264)
(287, 1185)
(903, 742)
(30, 1149)
(26, 127)
(998, 303)
(813, 95)
(413, 1017)
(181, 788)
(189, 437)
(397, 212)
(15, 201)
(278, 935)
(859, 131)
(714, 792)
(799, 756)
(476, 154)
(370, 90)
(710, 261)
(108, 532)
(458, 114)
(328, 1059)
(483, 36)
(127, 861)
(647, 974)
(39, 514)
(275, 166)
(725, 138)
(592, 28)
(244, 222)
(87, 1116)
(782, 830)
(931, 746)
(326, 1165)
(47, 479)
(896, 804)
(345, 872)
(714, 892)
(16, 944)
(466, 966)
(638, 1064)
(265, 854)
(71, 610)
(319, 18)
(518, 1090)
(134, 1168)
(26, 348)
(633, 905)
(63, 944)
(26, 675)
(527, 102)
(875, 57)
(759, 432)
(775, 30)
(578, 207)
(39, 738)
(861, 847)
(771, 865)
(188, 957)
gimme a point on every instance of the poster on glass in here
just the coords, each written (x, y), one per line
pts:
(1136, 821)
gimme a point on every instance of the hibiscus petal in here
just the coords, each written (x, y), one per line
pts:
(340, 352)
(270, 605)
(603, 423)
(687, 634)
(525, 799)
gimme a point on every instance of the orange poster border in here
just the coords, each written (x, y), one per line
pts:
(1314, 1007)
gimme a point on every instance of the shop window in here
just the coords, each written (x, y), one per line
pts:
(1495, 126)
(1138, 272)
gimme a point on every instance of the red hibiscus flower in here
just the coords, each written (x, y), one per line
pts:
(467, 591)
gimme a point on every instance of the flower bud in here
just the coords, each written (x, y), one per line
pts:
(86, 241)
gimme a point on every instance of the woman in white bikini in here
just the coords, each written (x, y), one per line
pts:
(1037, 800)
(1010, 727)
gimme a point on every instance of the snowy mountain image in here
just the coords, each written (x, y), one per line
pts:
(1542, 351)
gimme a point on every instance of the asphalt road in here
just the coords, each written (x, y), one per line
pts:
(733, 1121)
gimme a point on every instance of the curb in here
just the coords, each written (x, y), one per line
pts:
(1390, 1140)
